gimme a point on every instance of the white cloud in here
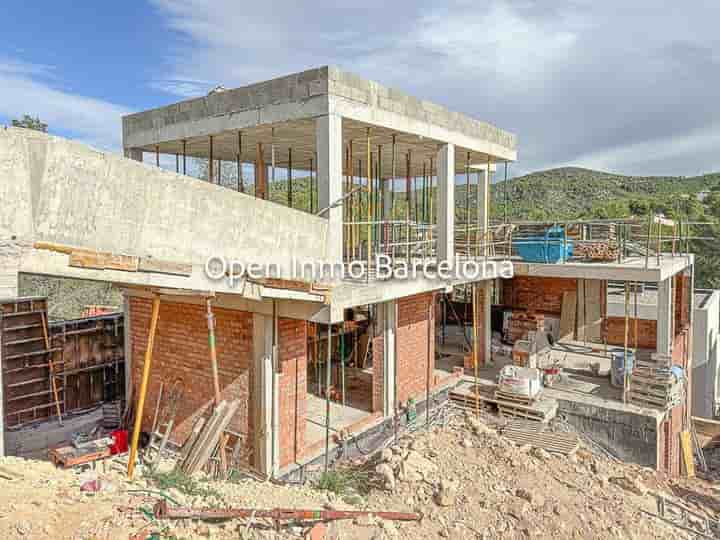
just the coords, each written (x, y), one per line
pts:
(614, 84)
(642, 157)
(24, 90)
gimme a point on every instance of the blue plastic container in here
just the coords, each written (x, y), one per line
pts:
(553, 247)
(620, 366)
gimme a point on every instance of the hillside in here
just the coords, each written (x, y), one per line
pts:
(555, 194)
(573, 192)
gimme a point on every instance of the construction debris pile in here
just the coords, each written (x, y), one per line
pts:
(469, 478)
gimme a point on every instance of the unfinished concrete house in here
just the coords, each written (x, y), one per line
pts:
(325, 167)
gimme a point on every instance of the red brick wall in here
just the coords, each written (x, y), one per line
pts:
(292, 353)
(646, 334)
(415, 321)
(682, 302)
(542, 294)
(181, 352)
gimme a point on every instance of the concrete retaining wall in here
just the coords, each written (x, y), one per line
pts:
(68, 193)
(630, 436)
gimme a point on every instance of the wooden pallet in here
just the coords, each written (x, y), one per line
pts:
(517, 411)
(69, 456)
(559, 443)
(513, 398)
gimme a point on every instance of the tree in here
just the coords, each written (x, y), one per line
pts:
(28, 122)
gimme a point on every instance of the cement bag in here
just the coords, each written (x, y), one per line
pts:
(525, 382)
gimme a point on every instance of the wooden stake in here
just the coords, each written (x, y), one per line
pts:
(143, 385)
(53, 382)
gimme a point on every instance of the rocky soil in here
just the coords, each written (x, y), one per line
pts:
(467, 480)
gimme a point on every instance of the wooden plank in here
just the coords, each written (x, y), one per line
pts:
(160, 266)
(567, 316)
(687, 450)
(593, 314)
(103, 261)
(580, 313)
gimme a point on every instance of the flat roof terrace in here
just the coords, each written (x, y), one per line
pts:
(281, 112)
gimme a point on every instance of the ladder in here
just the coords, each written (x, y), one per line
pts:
(163, 423)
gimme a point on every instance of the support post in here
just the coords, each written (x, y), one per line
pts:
(136, 154)
(328, 135)
(664, 317)
(143, 385)
(446, 203)
(184, 155)
(213, 350)
(328, 382)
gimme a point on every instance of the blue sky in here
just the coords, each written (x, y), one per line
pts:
(623, 86)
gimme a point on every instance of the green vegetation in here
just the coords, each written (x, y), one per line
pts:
(29, 122)
(184, 484)
(345, 482)
(575, 193)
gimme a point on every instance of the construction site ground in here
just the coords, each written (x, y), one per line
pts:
(461, 474)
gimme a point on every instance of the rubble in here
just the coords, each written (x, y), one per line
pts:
(491, 489)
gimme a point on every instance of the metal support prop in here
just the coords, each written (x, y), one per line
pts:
(184, 155)
(312, 187)
(396, 398)
(393, 162)
(211, 172)
(177, 163)
(430, 335)
(467, 206)
(342, 363)
(213, 350)
(241, 180)
(143, 385)
(290, 178)
(369, 208)
(157, 155)
(475, 347)
(328, 381)
(625, 342)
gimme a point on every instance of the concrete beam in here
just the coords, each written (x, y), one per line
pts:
(446, 203)
(328, 135)
(665, 317)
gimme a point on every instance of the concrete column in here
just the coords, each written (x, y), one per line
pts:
(446, 203)
(328, 141)
(261, 395)
(388, 321)
(134, 153)
(664, 317)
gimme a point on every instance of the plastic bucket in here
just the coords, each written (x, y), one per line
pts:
(620, 366)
